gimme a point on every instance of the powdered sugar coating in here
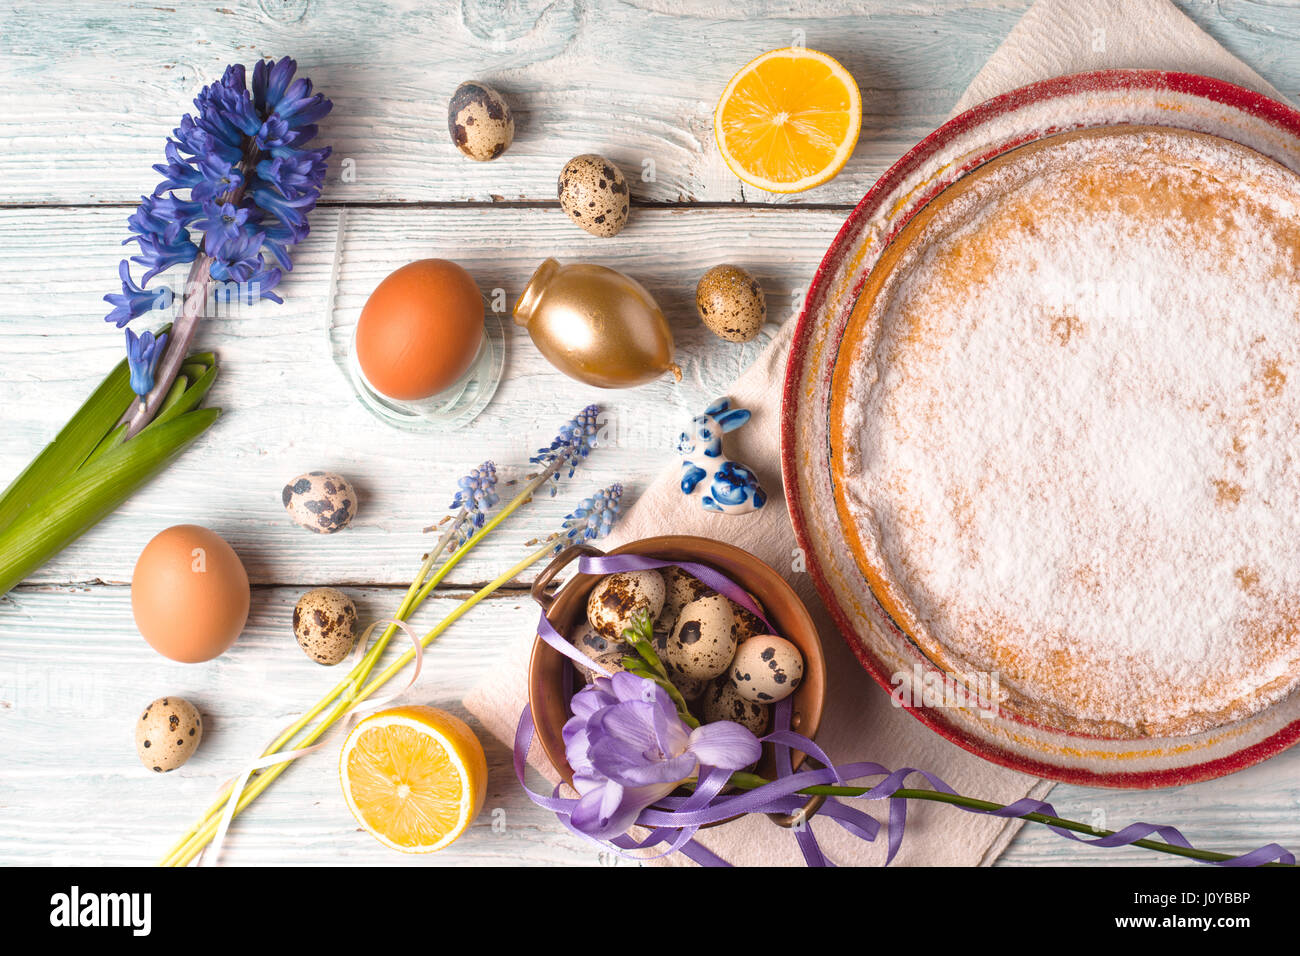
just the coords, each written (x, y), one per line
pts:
(1068, 427)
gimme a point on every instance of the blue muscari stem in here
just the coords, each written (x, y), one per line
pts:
(242, 157)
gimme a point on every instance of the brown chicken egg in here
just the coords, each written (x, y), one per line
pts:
(189, 594)
(420, 330)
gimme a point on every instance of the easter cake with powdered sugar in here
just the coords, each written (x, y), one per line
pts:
(1064, 418)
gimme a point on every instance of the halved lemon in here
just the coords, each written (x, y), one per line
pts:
(414, 777)
(788, 121)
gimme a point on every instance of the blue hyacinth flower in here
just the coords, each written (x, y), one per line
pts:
(142, 355)
(134, 301)
(238, 184)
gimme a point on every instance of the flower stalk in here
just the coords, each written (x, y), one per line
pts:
(646, 663)
(475, 497)
(749, 781)
(139, 414)
(201, 835)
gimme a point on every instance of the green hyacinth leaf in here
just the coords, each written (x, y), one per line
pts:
(72, 446)
(187, 399)
(110, 441)
(179, 384)
(76, 442)
(72, 506)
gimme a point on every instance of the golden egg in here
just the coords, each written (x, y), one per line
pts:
(596, 325)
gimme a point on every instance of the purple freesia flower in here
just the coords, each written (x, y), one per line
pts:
(629, 747)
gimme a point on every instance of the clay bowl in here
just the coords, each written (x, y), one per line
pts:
(546, 670)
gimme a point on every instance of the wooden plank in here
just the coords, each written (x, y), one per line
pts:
(289, 409)
(635, 82)
(74, 672)
(88, 92)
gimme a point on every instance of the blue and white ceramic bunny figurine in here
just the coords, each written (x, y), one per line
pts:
(729, 486)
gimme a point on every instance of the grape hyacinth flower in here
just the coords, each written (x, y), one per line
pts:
(593, 518)
(573, 443)
(238, 184)
(475, 495)
(629, 747)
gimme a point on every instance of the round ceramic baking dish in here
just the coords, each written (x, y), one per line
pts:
(1082, 101)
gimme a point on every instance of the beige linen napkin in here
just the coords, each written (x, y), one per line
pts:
(860, 723)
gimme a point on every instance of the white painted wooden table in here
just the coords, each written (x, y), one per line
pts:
(89, 90)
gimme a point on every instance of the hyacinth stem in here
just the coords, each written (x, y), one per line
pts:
(190, 848)
(749, 781)
(141, 413)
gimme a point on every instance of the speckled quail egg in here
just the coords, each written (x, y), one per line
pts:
(701, 645)
(618, 597)
(721, 701)
(680, 589)
(320, 501)
(689, 687)
(766, 669)
(594, 194)
(747, 623)
(480, 121)
(325, 624)
(611, 661)
(731, 303)
(662, 630)
(592, 643)
(167, 733)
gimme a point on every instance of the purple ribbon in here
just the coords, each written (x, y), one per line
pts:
(675, 820)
